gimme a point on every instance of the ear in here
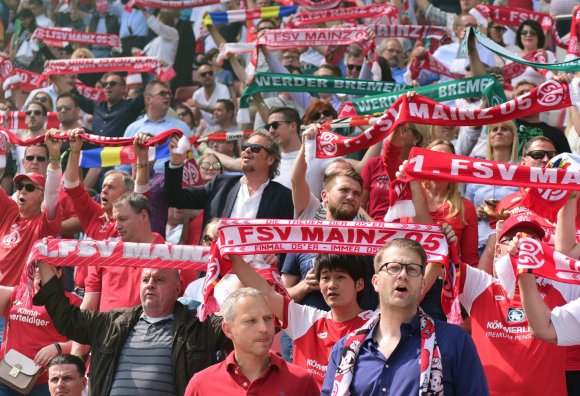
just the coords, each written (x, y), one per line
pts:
(324, 196)
(227, 329)
(359, 284)
(375, 282)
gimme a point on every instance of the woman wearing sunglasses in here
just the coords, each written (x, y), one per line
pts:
(319, 112)
(186, 115)
(530, 38)
(209, 166)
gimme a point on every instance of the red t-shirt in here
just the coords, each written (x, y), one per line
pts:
(314, 333)
(466, 233)
(119, 286)
(226, 378)
(96, 224)
(28, 330)
(18, 235)
(515, 363)
(377, 182)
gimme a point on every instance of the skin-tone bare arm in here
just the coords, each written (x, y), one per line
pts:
(142, 154)
(566, 228)
(5, 293)
(216, 35)
(300, 187)
(250, 278)
(261, 106)
(575, 115)
(298, 289)
(71, 226)
(537, 312)
(475, 63)
(71, 174)
(229, 163)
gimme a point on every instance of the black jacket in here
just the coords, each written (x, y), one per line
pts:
(217, 198)
(195, 343)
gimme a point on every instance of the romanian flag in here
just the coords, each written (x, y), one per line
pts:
(224, 17)
(112, 156)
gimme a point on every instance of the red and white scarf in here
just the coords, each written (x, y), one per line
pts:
(27, 80)
(142, 64)
(314, 5)
(430, 382)
(59, 35)
(6, 68)
(573, 50)
(170, 4)
(536, 258)
(551, 185)
(416, 32)
(342, 14)
(17, 120)
(91, 93)
(509, 16)
(551, 95)
(429, 62)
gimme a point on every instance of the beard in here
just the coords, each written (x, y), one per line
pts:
(342, 213)
(247, 168)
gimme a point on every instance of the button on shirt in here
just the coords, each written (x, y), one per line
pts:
(246, 206)
(144, 125)
(399, 374)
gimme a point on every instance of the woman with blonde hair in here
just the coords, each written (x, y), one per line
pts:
(502, 146)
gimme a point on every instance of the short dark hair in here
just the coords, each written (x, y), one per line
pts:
(43, 109)
(529, 143)
(354, 266)
(210, 54)
(44, 146)
(534, 25)
(290, 115)
(229, 105)
(137, 201)
(69, 359)
(71, 96)
(402, 243)
(335, 70)
(109, 74)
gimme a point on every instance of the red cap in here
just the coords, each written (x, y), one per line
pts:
(35, 178)
(522, 220)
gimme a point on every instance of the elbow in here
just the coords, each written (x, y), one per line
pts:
(544, 334)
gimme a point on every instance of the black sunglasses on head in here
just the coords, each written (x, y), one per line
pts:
(254, 147)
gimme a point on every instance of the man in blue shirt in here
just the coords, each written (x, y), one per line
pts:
(390, 355)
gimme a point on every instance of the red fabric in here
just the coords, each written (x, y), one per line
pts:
(341, 14)
(18, 236)
(119, 286)
(304, 327)
(523, 4)
(376, 182)
(93, 218)
(515, 363)
(513, 16)
(59, 35)
(28, 330)
(226, 378)
(466, 233)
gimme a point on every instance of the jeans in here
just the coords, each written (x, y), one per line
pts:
(287, 348)
(38, 390)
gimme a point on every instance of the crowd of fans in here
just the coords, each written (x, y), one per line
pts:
(350, 324)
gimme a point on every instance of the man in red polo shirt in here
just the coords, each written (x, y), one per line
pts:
(251, 368)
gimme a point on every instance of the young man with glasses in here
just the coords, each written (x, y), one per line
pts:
(205, 98)
(531, 126)
(68, 111)
(392, 352)
(251, 195)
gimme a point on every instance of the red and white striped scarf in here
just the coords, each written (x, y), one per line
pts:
(17, 120)
(170, 4)
(417, 32)
(430, 357)
(342, 14)
(573, 50)
(509, 16)
(60, 35)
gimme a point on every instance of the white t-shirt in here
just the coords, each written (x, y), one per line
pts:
(220, 92)
(566, 320)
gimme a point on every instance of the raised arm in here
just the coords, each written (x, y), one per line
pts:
(537, 312)
(71, 174)
(142, 165)
(52, 188)
(300, 187)
(566, 228)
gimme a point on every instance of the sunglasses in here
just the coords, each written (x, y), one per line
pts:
(42, 98)
(500, 28)
(275, 125)
(39, 158)
(207, 73)
(34, 112)
(28, 187)
(211, 165)
(352, 67)
(162, 93)
(63, 107)
(539, 154)
(530, 32)
(323, 113)
(254, 147)
(110, 84)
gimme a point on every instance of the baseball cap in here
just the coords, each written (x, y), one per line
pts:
(35, 178)
(522, 220)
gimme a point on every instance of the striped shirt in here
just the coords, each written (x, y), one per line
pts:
(145, 366)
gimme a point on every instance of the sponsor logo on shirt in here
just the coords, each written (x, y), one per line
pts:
(516, 315)
(11, 240)
(311, 363)
(499, 298)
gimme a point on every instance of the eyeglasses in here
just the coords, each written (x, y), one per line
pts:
(254, 147)
(539, 154)
(275, 125)
(323, 113)
(39, 158)
(207, 73)
(530, 32)
(352, 67)
(394, 268)
(162, 93)
(41, 98)
(28, 187)
(182, 114)
(33, 112)
(500, 28)
(110, 84)
(211, 165)
(63, 107)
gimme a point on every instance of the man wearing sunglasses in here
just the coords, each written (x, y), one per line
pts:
(252, 195)
(385, 354)
(205, 98)
(36, 116)
(531, 126)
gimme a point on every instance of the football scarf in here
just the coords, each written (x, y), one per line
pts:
(509, 16)
(170, 4)
(17, 120)
(430, 357)
(416, 32)
(72, 36)
(342, 14)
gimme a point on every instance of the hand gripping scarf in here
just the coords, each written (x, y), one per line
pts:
(430, 382)
(551, 95)
(540, 259)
